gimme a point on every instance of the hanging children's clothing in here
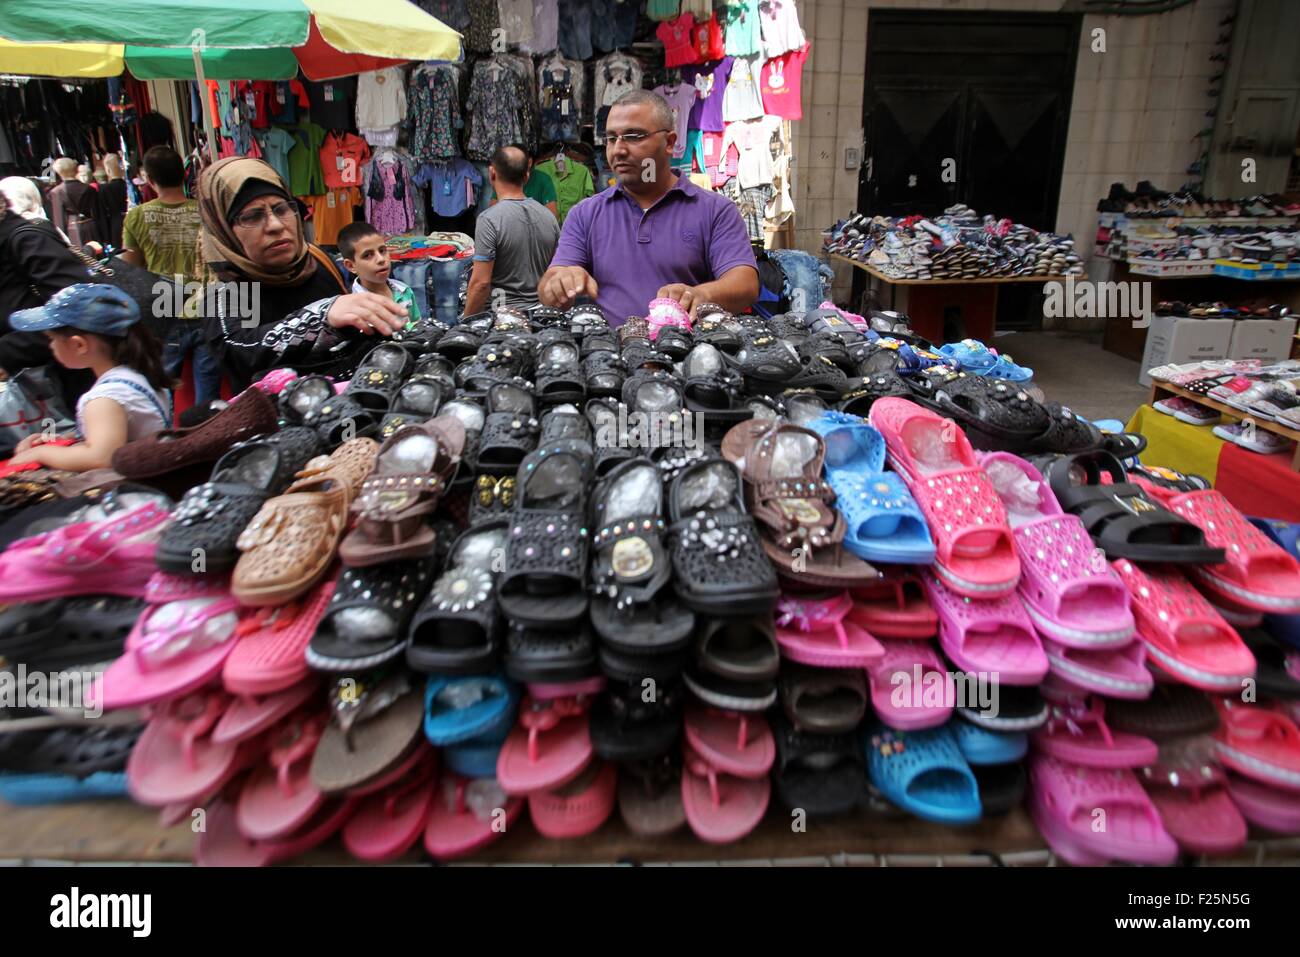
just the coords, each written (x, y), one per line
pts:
(498, 107)
(744, 32)
(680, 99)
(710, 82)
(381, 105)
(616, 74)
(575, 35)
(287, 97)
(572, 179)
(780, 27)
(331, 212)
(546, 28)
(276, 145)
(433, 120)
(389, 187)
(559, 84)
(453, 185)
(742, 99)
(782, 78)
(341, 159)
(753, 139)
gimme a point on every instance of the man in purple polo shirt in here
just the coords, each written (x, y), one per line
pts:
(656, 234)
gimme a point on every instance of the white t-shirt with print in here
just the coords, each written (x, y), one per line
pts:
(146, 408)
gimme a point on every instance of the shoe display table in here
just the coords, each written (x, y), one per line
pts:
(930, 301)
(1164, 390)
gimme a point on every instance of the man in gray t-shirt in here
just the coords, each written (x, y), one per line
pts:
(513, 241)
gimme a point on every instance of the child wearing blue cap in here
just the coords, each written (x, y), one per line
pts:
(97, 327)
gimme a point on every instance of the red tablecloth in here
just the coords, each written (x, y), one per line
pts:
(1263, 486)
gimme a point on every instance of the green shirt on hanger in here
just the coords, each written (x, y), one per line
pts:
(571, 187)
(305, 176)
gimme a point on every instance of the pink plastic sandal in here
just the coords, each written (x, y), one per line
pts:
(275, 381)
(270, 655)
(547, 749)
(221, 845)
(1114, 672)
(111, 557)
(1271, 808)
(248, 717)
(1069, 590)
(569, 689)
(467, 815)
(720, 807)
(173, 649)
(1195, 807)
(991, 635)
(667, 312)
(734, 742)
(580, 807)
(1077, 733)
(1258, 743)
(1067, 802)
(388, 823)
(911, 687)
(1184, 635)
(894, 607)
(814, 631)
(976, 553)
(279, 797)
(163, 587)
(175, 759)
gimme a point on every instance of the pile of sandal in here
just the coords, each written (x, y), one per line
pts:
(679, 572)
(1268, 392)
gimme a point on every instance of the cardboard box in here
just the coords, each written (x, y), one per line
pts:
(1266, 339)
(1173, 340)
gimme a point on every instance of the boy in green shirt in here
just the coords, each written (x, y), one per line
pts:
(362, 248)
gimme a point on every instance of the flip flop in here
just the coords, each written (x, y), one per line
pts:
(548, 748)
(176, 759)
(975, 551)
(983, 748)
(1070, 592)
(910, 687)
(249, 716)
(270, 654)
(279, 796)
(814, 631)
(1068, 801)
(720, 807)
(462, 709)
(922, 772)
(1077, 733)
(1184, 635)
(389, 822)
(1273, 809)
(987, 636)
(376, 726)
(578, 808)
(734, 743)
(1114, 672)
(626, 727)
(467, 815)
(1259, 743)
(1010, 708)
(1196, 807)
(894, 607)
(221, 844)
(1277, 666)
(650, 796)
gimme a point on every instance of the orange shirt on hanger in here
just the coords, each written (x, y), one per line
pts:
(331, 212)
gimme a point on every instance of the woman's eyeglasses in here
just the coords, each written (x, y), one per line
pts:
(631, 139)
(252, 218)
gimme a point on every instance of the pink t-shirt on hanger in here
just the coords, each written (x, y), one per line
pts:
(782, 78)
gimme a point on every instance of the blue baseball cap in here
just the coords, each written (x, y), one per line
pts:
(88, 307)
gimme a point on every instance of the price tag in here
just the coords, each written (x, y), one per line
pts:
(329, 92)
(330, 200)
(338, 161)
(279, 94)
(564, 107)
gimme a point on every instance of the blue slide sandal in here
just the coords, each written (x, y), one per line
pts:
(981, 747)
(36, 789)
(923, 772)
(463, 708)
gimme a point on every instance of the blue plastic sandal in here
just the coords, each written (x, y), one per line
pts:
(969, 355)
(923, 772)
(462, 708)
(884, 522)
(34, 789)
(1004, 368)
(979, 746)
(476, 758)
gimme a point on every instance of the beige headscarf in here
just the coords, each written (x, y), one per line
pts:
(219, 184)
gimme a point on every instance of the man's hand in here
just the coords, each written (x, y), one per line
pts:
(688, 296)
(562, 285)
(367, 312)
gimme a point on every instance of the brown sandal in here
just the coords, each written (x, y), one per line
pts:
(290, 543)
(782, 468)
(414, 467)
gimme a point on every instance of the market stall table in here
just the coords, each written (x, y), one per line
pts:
(928, 299)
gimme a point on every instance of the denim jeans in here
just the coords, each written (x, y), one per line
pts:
(415, 273)
(185, 338)
(807, 278)
(575, 29)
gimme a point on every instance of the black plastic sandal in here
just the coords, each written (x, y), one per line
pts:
(823, 700)
(462, 341)
(598, 339)
(995, 414)
(822, 774)
(1066, 432)
(379, 376)
(738, 649)
(626, 727)
(498, 362)
(549, 656)
(545, 580)
(473, 417)
(200, 539)
(564, 422)
(1120, 517)
(511, 428)
(303, 397)
(765, 359)
(675, 342)
(719, 565)
(603, 415)
(604, 372)
(821, 375)
(713, 389)
(457, 629)
(879, 385)
(559, 373)
(67, 631)
(75, 751)
(365, 624)
(832, 347)
(632, 609)
(545, 317)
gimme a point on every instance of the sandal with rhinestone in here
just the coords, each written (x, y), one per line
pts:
(631, 609)
(411, 472)
(782, 468)
(207, 522)
(996, 415)
(544, 583)
(290, 543)
(719, 565)
(379, 376)
(604, 373)
(457, 629)
(559, 373)
(511, 427)
(608, 420)
(367, 618)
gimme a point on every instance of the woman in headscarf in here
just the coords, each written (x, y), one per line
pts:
(288, 306)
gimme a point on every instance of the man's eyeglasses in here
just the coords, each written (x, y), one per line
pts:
(252, 218)
(630, 138)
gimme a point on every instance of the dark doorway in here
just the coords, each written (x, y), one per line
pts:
(981, 97)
